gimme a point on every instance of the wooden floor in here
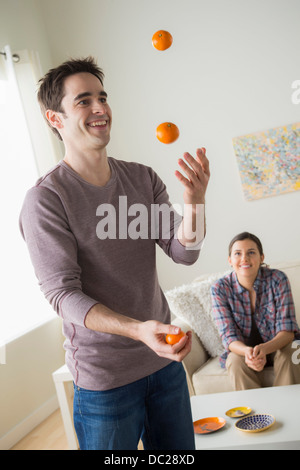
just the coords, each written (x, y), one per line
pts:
(49, 435)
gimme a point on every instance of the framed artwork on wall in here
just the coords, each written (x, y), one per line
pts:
(269, 161)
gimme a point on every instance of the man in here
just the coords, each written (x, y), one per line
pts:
(99, 273)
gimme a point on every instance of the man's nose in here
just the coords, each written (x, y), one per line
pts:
(99, 108)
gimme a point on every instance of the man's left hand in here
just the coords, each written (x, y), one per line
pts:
(197, 176)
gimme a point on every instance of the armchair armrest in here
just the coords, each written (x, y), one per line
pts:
(196, 358)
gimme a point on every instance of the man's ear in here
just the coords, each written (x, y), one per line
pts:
(54, 119)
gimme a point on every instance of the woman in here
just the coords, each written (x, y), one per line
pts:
(255, 314)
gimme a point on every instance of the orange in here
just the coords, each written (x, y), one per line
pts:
(162, 40)
(173, 339)
(167, 132)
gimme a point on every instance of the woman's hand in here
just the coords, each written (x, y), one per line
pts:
(256, 358)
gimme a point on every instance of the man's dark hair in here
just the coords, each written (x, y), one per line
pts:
(51, 91)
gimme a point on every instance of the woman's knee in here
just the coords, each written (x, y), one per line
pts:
(234, 361)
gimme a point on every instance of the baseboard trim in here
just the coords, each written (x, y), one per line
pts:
(28, 424)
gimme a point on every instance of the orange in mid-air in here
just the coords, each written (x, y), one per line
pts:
(167, 132)
(162, 40)
(173, 339)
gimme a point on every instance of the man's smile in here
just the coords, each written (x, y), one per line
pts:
(99, 123)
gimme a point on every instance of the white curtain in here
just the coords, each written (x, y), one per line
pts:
(25, 73)
(21, 133)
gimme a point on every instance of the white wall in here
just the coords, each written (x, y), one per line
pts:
(22, 28)
(228, 73)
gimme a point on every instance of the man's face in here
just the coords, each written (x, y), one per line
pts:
(86, 120)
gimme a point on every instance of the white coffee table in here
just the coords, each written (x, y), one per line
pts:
(281, 402)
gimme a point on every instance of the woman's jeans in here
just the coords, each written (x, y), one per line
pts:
(155, 409)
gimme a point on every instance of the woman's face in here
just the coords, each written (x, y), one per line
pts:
(245, 258)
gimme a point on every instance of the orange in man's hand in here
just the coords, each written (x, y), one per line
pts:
(167, 132)
(162, 40)
(173, 339)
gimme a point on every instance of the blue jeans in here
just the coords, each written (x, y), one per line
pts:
(155, 409)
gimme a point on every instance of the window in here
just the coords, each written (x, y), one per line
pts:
(23, 306)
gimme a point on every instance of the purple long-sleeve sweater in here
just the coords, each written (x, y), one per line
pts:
(83, 254)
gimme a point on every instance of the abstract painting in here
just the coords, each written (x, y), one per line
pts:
(269, 161)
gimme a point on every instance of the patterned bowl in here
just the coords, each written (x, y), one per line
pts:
(255, 423)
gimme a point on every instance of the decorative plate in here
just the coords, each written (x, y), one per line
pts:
(255, 423)
(238, 412)
(207, 425)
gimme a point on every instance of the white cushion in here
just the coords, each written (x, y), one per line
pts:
(192, 304)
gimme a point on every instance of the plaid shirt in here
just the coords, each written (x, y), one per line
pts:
(274, 310)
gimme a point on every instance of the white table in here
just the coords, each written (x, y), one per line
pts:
(281, 402)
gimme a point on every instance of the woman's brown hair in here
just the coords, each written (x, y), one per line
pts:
(246, 236)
